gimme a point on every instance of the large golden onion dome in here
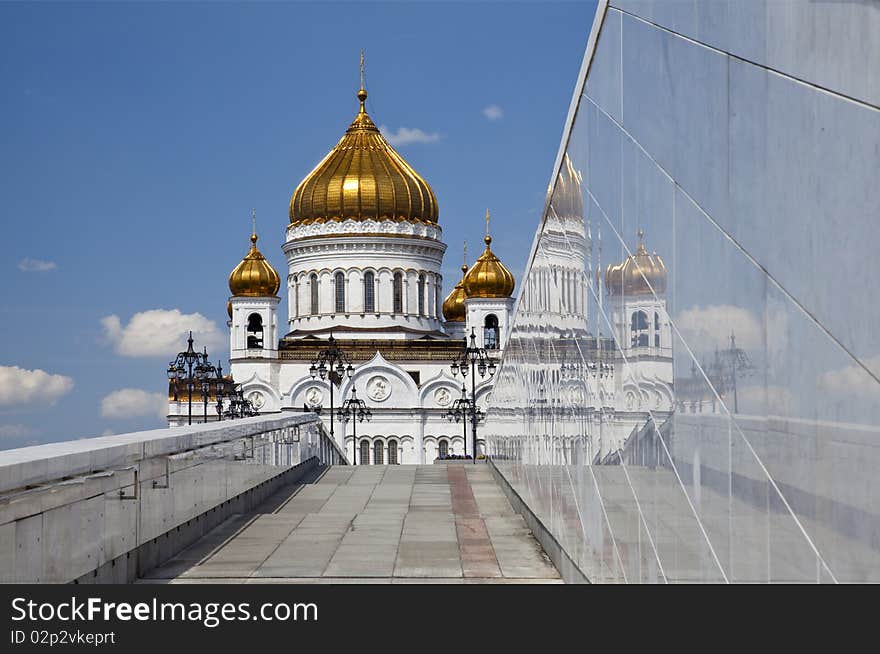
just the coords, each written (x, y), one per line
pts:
(638, 274)
(453, 306)
(254, 276)
(488, 277)
(363, 178)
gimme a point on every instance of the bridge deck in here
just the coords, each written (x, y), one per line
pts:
(376, 524)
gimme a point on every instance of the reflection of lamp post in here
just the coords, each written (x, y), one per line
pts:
(181, 369)
(355, 410)
(735, 359)
(331, 361)
(480, 362)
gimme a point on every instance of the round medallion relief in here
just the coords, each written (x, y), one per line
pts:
(314, 395)
(442, 396)
(378, 388)
(257, 399)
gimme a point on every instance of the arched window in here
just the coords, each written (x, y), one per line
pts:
(255, 331)
(421, 288)
(640, 328)
(296, 298)
(313, 287)
(656, 330)
(438, 306)
(392, 453)
(398, 292)
(490, 332)
(369, 292)
(443, 449)
(339, 283)
(365, 453)
(377, 453)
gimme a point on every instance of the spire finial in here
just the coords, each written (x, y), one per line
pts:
(487, 239)
(641, 234)
(362, 92)
(254, 224)
(464, 266)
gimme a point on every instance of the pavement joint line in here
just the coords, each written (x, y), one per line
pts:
(403, 523)
(226, 541)
(298, 489)
(351, 522)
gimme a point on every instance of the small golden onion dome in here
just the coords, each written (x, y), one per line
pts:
(638, 274)
(254, 276)
(453, 306)
(363, 178)
(488, 277)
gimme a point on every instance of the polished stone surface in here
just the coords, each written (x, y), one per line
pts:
(718, 421)
(372, 524)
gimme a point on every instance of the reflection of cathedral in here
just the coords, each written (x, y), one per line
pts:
(592, 356)
(364, 253)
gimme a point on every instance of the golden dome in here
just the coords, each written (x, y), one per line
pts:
(363, 178)
(567, 200)
(638, 274)
(254, 276)
(453, 306)
(488, 277)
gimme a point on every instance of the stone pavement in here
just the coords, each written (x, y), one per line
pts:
(374, 524)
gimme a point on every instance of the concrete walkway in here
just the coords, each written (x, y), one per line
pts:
(375, 524)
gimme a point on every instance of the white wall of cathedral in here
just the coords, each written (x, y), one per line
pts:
(364, 282)
(410, 413)
(253, 329)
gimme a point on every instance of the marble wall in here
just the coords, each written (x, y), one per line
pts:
(743, 139)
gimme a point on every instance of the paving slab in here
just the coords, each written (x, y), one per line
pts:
(372, 524)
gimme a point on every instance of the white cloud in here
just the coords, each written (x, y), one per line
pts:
(406, 135)
(36, 265)
(493, 112)
(132, 403)
(14, 431)
(160, 333)
(705, 328)
(852, 380)
(21, 386)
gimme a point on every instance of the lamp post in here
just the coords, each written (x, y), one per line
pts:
(478, 361)
(329, 362)
(204, 373)
(459, 412)
(221, 387)
(357, 411)
(181, 369)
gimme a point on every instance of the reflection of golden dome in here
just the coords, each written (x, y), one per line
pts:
(363, 178)
(254, 276)
(453, 306)
(567, 201)
(638, 274)
(488, 277)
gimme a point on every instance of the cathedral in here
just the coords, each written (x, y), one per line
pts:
(364, 251)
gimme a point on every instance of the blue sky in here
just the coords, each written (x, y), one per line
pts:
(137, 137)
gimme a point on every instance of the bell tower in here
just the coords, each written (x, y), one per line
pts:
(253, 307)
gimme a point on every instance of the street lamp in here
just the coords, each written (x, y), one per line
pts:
(239, 405)
(479, 362)
(204, 373)
(459, 413)
(357, 411)
(331, 362)
(182, 368)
